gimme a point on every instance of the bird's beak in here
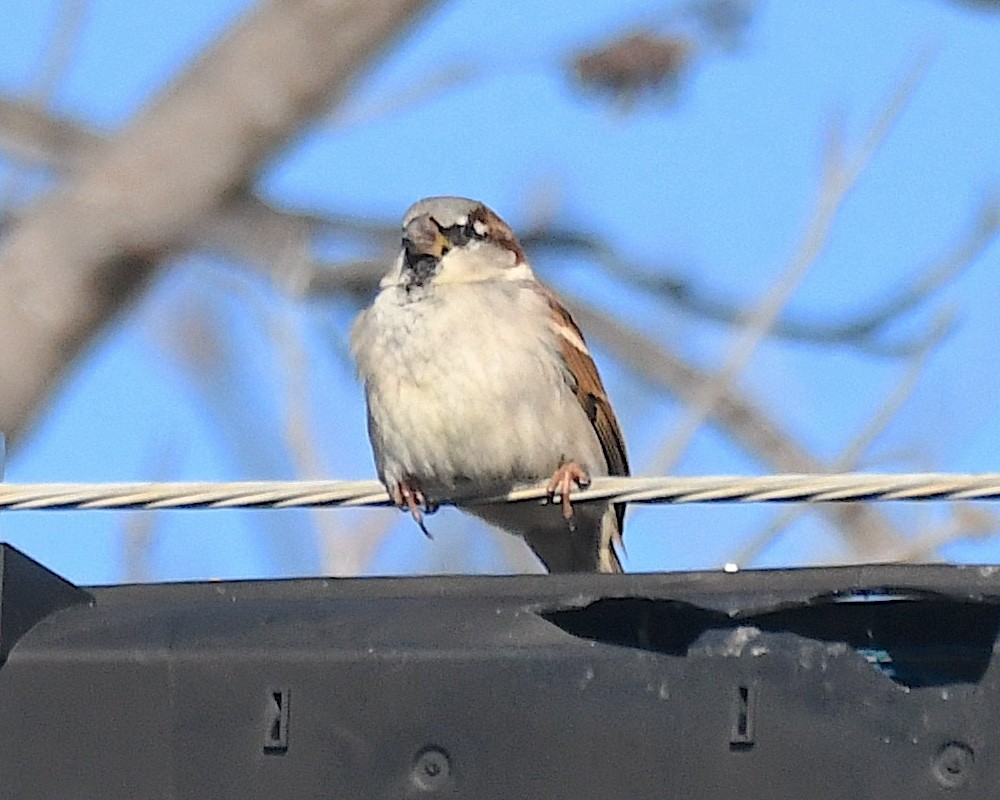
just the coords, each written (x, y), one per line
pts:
(423, 237)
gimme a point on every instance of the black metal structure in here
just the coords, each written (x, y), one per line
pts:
(855, 682)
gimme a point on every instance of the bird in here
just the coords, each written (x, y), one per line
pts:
(477, 380)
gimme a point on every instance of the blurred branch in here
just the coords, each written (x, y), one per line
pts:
(55, 62)
(656, 53)
(187, 335)
(633, 64)
(648, 60)
(81, 254)
(966, 523)
(139, 531)
(860, 331)
(839, 177)
(981, 5)
(279, 240)
(867, 532)
(69, 18)
(31, 133)
(342, 551)
(426, 88)
(849, 459)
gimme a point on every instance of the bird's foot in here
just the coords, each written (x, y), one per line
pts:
(409, 496)
(562, 483)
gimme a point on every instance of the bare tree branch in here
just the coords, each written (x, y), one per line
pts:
(868, 533)
(839, 177)
(861, 330)
(30, 133)
(78, 257)
(342, 551)
(277, 238)
(55, 62)
(254, 228)
(856, 448)
(968, 522)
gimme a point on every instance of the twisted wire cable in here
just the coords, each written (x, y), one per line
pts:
(805, 488)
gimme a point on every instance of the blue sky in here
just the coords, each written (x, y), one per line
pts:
(717, 183)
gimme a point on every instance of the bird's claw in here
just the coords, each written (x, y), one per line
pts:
(411, 499)
(562, 483)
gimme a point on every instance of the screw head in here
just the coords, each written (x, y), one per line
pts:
(952, 764)
(431, 769)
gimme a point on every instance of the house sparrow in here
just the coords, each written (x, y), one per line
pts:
(478, 379)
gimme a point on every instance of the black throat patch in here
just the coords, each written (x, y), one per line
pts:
(420, 268)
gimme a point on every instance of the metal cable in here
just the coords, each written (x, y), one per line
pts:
(704, 489)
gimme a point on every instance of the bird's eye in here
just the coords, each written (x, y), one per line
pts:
(458, 235)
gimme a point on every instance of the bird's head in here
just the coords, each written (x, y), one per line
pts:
(449, 240)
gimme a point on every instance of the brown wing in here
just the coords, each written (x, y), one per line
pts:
(589, 391)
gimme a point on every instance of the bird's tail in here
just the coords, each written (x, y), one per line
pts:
(609, 542)
(588, 546)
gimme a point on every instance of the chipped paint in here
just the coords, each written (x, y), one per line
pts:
(738, 639)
